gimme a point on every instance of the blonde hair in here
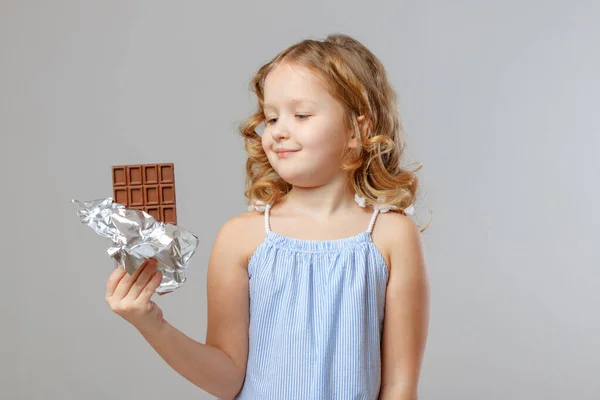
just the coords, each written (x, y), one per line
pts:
(356, 78)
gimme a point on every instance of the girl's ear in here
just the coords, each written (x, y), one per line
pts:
(363, 126)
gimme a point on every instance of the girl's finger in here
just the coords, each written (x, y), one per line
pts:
(152, 285)
(128, 280)
(142, 280)
(113, 280)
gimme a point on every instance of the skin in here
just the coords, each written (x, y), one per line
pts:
(320, 206)
(313, 127)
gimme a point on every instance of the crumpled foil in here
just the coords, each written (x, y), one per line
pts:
(137, 237)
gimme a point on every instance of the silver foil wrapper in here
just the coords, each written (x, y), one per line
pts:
(137, 237)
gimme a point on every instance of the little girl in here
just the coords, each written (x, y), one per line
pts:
(308, 298)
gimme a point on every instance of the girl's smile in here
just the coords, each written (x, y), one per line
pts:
(285, 153)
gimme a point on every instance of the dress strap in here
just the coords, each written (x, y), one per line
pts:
(373, 219)
(267, 219)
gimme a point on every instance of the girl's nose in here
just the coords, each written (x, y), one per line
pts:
(280, 133)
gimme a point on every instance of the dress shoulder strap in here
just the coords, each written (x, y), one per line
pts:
(379, 208)
(267, 218)
(373, 219)
(264, 208)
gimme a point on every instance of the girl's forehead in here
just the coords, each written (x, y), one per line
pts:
(293, 83)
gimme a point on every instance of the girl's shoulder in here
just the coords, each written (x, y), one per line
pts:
(392, 225)
(244, 232)
(392, 231)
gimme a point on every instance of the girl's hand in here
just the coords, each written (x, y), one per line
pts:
(129, 295)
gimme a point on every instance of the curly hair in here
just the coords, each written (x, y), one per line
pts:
(357, 79)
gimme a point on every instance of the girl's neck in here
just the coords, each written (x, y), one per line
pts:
(321, 201)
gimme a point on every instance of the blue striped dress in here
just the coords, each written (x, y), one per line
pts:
(316, 318)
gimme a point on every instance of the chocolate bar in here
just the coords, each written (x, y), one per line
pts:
(147, 187)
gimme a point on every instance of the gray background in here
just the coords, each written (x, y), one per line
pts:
(499, 100)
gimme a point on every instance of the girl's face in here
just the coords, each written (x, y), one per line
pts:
(304, 119)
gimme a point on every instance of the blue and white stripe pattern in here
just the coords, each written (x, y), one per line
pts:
(316, 318)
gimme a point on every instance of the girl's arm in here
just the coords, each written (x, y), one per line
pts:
(406, 318)
(205, 366)
(219, 366)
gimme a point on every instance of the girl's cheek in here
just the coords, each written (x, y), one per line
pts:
(266, 145)
(263, 141)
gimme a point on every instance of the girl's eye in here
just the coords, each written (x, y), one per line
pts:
(299, 116)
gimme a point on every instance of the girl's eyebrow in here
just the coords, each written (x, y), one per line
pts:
(293, 101)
